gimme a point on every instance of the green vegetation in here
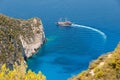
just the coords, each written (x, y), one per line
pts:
(12, 56)
(11, 29)
(18, 74)
(106, 67)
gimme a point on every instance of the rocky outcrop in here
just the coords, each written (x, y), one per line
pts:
(19, 39)
(106, 67)
(32, 43)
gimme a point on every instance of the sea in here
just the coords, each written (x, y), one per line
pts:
(69, 50)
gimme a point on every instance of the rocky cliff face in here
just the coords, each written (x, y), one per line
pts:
(32, 43)
(106, 67)
(19, 39)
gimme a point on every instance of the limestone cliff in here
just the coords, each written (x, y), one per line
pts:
(32, 43)
(106, 67)
(19, 39)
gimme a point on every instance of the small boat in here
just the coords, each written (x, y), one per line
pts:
(64, 23)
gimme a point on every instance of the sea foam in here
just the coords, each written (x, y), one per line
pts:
(94, 29)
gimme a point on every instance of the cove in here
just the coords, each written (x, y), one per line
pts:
(69, 50)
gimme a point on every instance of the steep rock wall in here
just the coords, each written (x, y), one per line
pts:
(33, 43)
(19, 39)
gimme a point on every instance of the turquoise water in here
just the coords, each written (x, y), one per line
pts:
(69, 50)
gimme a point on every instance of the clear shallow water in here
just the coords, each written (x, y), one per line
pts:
(69, 50)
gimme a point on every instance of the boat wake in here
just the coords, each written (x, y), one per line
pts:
(87, 27)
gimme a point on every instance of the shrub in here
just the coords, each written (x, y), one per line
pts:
(18, 73)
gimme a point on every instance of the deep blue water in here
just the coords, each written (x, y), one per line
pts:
(69, 50)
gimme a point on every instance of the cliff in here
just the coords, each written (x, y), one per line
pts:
(19, 39)
(33, 42)
(106, 67)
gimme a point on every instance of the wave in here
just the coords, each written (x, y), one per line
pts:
(87, 27)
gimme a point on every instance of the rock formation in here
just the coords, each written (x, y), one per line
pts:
(19, 39)
(32, 43)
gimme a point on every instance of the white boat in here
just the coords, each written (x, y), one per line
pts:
(64, 23)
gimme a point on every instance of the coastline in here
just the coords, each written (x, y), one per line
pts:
(20, 39)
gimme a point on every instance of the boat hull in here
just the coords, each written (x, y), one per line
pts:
(64, 24)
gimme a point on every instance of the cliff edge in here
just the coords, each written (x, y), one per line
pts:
(19, 39)
(32, 43)
(106, 67)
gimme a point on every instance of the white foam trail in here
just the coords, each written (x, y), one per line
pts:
(82, 26)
